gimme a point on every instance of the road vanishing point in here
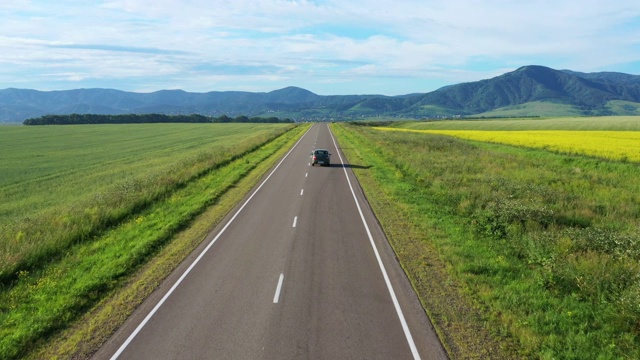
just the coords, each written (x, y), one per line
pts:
(300, 269)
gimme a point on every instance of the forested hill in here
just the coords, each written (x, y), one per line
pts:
(590, 93)
(523, 92)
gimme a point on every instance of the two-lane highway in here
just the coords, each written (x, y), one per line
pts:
(300, 270)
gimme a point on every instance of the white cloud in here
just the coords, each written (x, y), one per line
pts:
(271, 43)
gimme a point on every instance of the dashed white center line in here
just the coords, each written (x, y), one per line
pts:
(276, 297)
(295, 221)
(306, 175)
(301, 191)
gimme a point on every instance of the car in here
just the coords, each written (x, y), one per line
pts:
(320, 157)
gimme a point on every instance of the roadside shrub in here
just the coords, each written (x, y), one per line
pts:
(628, 304)
(538, 248)
(502, 217)
(614, 243)
(595, 276)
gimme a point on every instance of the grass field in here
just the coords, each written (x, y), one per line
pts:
(609, 123)
(624, 107)
(60, 184)
(44, 167)
(514, 252)
(539, 108)
(43, 295)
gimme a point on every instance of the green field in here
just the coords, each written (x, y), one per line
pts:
(46, 167)
(103, 202)
(61, 183)
(622, 107)
(622, 123)
(538, 108)
(514, 252)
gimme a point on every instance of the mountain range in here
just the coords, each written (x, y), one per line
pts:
(528, 91)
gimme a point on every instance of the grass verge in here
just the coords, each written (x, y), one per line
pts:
(44, 304)
(515, 253)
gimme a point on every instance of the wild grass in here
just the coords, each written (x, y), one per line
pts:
(535, 253)
(45, 299)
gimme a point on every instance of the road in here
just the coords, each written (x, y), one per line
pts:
(299, 270)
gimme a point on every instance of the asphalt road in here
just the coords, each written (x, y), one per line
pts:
(299, 270)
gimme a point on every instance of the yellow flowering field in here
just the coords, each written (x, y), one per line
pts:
(614, 145)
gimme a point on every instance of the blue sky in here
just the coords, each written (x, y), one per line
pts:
(330, 47)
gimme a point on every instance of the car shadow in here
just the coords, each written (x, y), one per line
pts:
(350, 166)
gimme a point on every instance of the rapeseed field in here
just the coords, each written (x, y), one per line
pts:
(611, 145)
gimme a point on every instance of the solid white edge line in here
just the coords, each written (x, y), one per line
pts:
(396, 304)
(276, 297)
(195, 262)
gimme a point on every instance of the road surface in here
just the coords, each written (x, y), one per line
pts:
(299, 270)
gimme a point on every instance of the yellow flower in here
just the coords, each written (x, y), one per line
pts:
(613, 145)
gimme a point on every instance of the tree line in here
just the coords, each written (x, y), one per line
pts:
(77, 119)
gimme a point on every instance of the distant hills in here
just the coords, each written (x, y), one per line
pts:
(579, 93)
(527, 91)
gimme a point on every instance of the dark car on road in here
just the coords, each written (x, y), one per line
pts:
(321, 157)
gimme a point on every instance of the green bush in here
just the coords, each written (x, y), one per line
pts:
(501, 218)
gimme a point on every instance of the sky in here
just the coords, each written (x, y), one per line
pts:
(329, 47)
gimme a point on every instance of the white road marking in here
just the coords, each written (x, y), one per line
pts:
(197, 260)
(301, 191)
(295, 221)
(396, 304)
(276, 297)
(306, 175)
